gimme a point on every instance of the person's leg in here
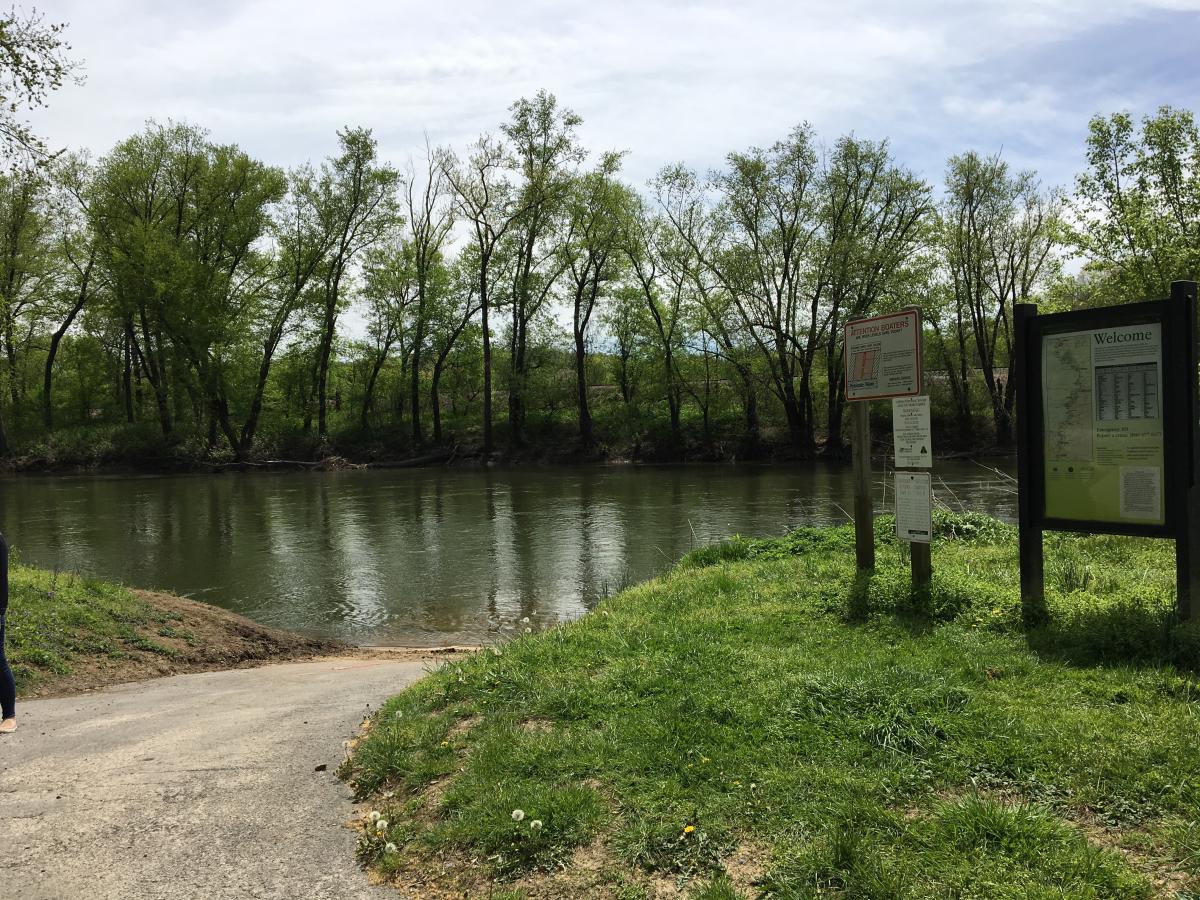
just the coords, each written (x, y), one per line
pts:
(8, 689)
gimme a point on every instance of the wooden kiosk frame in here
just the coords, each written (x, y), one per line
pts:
(1180, 414)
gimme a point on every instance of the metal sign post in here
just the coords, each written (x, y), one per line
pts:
(1107, 431)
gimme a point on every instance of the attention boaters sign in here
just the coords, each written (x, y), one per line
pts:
(883, 356)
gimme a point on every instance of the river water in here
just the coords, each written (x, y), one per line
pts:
(426, 556)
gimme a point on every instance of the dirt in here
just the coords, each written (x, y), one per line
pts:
(205, 638)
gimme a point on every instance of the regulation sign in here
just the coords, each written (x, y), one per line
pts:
(883, 356)
(914, 507)
(911, 433)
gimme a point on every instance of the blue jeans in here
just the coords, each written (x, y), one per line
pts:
(8, 685)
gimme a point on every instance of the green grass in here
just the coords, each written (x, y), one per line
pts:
(860, 741)
(55, 620)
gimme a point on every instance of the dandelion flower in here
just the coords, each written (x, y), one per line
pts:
(518, 815)
(525, 621)
(535, 825)
(390, 848)
(529, 631)
(688, 829)
(376, 816)
(445, 743)
(381, 825)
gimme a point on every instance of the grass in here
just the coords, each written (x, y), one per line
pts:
(763, 721)
(55, 621)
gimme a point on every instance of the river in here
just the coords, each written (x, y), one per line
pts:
(426, 556)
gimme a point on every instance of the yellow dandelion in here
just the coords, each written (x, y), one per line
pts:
(688, 829)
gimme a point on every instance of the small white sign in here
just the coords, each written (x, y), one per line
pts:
(911, 433)
(914, 507)
(882, 356)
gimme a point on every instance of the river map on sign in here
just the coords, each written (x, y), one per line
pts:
(1067, 398)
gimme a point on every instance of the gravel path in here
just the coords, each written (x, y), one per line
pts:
(195, 786)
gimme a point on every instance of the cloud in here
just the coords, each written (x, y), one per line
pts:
(665, 80)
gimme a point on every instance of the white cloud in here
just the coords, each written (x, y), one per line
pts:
(666, 80)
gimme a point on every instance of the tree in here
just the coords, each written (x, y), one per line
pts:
(28, 270)
(180, 222)
(77, 250)
(756, 243)
(358, 198)
(456, 303)
(486, 198)
(545, 154)
(872, 212)
(597, 211)
(301, 236)
(33, 64)
(998, 238)
(391, 288)
(659, 261)
(430, 218)
(1137, 205)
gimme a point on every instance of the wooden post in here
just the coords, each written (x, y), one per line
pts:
(864, 514)
(922, 564)
(1187, 540)
(1027, 411)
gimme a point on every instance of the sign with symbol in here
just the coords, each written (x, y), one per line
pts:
(911, 432)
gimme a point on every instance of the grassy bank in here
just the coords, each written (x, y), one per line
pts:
(761, 722)
(67, 633)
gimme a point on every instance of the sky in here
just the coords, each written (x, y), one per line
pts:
(666, 81)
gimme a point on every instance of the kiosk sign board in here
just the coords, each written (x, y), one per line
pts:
(883, 356)
(1108, 430)
(1102, 415)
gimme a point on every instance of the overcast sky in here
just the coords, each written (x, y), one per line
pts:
(666, 81)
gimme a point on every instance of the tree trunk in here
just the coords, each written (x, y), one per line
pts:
(323, 354)
(487, 361)
(753, 440)
(55, 341)
(369, 394)
(586, 436)
(418, 438)
(127, 375)
(435, 402)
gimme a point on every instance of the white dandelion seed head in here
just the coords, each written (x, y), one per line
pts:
(390, 848)
(518, 815)
(376, 815)
(381, 825)
(529, 631)
(535, 825)
(525, 620)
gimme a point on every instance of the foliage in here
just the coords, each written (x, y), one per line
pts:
(180, 282)
(1137, 205)
(33, 64)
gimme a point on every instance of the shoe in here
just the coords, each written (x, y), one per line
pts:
(8, 726)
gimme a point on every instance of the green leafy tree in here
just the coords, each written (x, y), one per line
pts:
(357, 196)
(598, 209)
(33, 64)
(1137, 204)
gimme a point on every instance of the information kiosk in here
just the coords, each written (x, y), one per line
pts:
(1107, 430)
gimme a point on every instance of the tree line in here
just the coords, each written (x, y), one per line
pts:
(177, 294)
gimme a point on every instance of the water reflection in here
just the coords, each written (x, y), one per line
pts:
(416, 557)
